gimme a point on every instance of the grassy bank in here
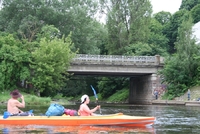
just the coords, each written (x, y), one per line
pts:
(194, 95)
(29, 99)
(118, 97)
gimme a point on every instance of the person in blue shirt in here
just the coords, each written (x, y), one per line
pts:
(188, 94)
(156, 94)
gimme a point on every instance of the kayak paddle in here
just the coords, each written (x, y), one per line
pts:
(6, 114)
(95, 94)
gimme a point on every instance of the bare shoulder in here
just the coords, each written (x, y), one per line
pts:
(13, 101)
(83, 105)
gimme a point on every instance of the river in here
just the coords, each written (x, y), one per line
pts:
(170, 119)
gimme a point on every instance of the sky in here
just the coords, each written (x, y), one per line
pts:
(160, 5)
(166, 5)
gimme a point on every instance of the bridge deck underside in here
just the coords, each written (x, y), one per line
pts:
(112, 70)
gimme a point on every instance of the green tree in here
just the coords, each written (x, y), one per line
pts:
(29, 27)
(50, 63)
(48, 32)
(181, 69)
(163, 17)
(72, 16)
(195, 13)
(79, 85)
(80, 20)
(144, 49)
(14, 62)
(189, 4)
(171, 29)
(127, 23)
(108, 85)
(13, 12)
(157, 40)
(139, 49)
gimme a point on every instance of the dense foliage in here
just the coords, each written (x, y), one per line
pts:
(38, 39)
(50, 63)
(14, 62)
(180, 71)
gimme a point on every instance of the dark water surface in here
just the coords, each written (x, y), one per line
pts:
(169, 120)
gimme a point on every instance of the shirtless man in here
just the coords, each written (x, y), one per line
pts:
(13, 104)
(84, 110)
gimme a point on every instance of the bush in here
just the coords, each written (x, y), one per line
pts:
(119, 96)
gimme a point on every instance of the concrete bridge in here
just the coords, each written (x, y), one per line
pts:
(142, 71)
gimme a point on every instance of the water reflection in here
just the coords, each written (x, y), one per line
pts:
(169, 120)
(32, 129)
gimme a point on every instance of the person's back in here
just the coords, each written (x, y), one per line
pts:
(12, 106)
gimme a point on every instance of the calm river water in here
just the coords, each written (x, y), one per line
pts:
(172, 119)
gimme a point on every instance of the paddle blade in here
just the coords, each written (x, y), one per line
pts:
(30, 111)
(95, 94)
(6, 115)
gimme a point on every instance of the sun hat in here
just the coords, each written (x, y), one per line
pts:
(83, 98)
(15, 94)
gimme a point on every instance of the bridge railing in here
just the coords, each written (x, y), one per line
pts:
(115, 59)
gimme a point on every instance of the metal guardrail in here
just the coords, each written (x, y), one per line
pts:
(85, 58)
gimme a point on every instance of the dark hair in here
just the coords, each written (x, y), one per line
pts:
(84, 100)
(15, 94)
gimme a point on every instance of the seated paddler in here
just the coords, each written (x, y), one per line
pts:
(14, 104)
(84, 110)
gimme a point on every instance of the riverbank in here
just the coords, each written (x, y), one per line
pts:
(115, 99)
(29, 99)
(182, 100)
(32, 100)
(174, 102)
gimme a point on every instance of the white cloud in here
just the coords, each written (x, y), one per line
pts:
(166, 5)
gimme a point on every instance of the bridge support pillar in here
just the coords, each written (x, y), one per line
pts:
(141, 89)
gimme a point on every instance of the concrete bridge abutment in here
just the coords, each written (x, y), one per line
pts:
(142, 88)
